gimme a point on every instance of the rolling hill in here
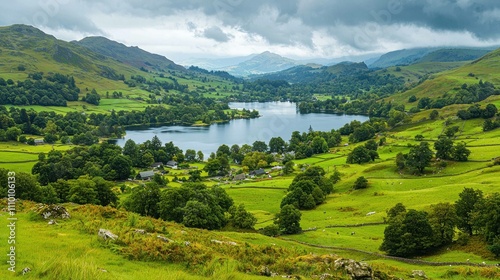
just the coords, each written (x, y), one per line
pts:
(265, 62)
(420, 55)
(486, 68)
(133, 56)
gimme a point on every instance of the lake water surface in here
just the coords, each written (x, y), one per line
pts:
(277, 119)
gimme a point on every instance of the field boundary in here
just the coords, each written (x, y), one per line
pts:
(405, 260)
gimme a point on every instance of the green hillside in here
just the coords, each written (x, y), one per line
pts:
(133, 56)
(450, 82)
(25, 50)
(453, 55)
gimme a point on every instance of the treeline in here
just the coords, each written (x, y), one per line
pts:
(156, 86)
(51, 90)
(222, 74)
(351, 80)
(412, 233)
(193, 205)
(467, 94)
(83, 190)
(80, 128)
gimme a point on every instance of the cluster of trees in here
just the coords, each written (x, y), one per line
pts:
(84, 189)
(411, 232)
(359, 132)
(99, 160)
(145, 154)
(53, 90)
(475, 111)
(155, 86)
(446, 149)
(363, 154)
(223, 74)
(308, 189)
(92, 98)
(467, 94)
(193, 205)
(491, 124)
(261, 154)
(73, 126)
(420, 156)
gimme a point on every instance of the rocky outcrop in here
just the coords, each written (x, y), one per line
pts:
(52, 211)
(356, 270)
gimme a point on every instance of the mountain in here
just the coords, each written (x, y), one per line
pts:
(419, 55)
(265, 62)
(401, 57)
(215, 63)
(23, 45)
(453, 55)
(133, 56)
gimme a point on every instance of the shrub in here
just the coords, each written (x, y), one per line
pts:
(361, 183)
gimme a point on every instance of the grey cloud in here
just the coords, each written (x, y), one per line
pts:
(215, 33)
(289, 22)
(51, 14)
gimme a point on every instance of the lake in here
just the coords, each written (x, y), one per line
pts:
(277, 119)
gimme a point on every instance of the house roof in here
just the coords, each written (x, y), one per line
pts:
(258, 172)
(38, 140)
(172, 162)
(157, 164)
(147, 174)
(239, 177)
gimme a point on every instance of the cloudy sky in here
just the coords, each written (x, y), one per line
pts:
(180, 29)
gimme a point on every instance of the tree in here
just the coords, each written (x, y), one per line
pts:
(486, 218)
(465, 206)
(359, 155)
(223, 150)
(408, 234)
(319, 145)
(199, 215)
(241, 218)
(12, 133)
(460, 152)
(288, 168)
(400, 161)
(288, 220)
(419, 157)
(277, 145)
(200, 156)
(361, 183)
(443, 220)
(144, 200)
(83, 191)
(212, 167)
(434, 114)
(105, 193)
(443, 147)
(259, 146)
(190, 155)
(122, 167)
(26, 185)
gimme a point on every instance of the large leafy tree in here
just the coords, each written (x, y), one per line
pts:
(444, 148)
(465, 206)
(288, 220)
(460, 152)
(443, 220)
(144, 200)
(409, 233)
(419, 157)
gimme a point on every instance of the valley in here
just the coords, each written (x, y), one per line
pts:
(172, 196)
